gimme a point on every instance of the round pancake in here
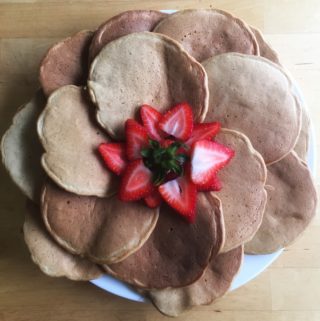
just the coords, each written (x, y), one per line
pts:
(123, 24)
(256, 97)
(302, 144)
(208, 32)
(105, 230)
(291, 205)
(21, 149)
(70, 137)
(265, 49)
(51, 258)
(144, 68)
(213, 284)
(66, 63)
(177, 252)
(243, 196)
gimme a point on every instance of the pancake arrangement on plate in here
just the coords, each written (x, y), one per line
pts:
(160, 149)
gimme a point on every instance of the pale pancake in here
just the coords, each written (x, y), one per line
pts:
(265, 48)
(49, 256)
(106, 230)
(302, 144)
(144, 68)
(255, 96)
(176, 253)
(208, 32)
(291, 205)
(21, 150)
(123, 24)
(213, 284)
(243, 196)
(66, 63)
(70, 137)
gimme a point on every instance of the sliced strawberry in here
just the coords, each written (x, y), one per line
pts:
(203, 131)
(178, 121)
(150, 118)
(213, 185)
(136, 139)
(181, 195)
(154, 199)
(136, 182)
(167, 142)
(114, 156)
(207, 157)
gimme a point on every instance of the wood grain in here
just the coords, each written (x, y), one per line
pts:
(288, 291)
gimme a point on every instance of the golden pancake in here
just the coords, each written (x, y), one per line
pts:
(144, 68)
(105, 230)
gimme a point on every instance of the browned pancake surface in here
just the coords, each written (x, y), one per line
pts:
(66, 63)
(208, 32)
(104, 229)
(123, 24)
(177, 252)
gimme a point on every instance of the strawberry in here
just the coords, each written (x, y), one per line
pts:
(213, 185)
(203, 131)
(181, 195)
(207, 157)
(114, 157)
(178, 121)
(136, 182)
(150, 118)
(136, 139)
(154, 199)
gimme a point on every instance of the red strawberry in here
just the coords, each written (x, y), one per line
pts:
(178, 121)
(150, 118)
(203, 131)
(181, 195)
(213, 185)
(136, 182)
(136, 139)
(154, 199)
(207, 157)
(114, 156)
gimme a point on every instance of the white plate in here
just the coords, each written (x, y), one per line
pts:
(252, 266)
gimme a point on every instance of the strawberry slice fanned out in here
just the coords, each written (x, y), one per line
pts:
(214, 185)
(178, 121)
(150, 118)
(136, 182)
(136, 139)
(114, 156)
(181, 195)
(154, 199)
(207, 157)
(203, 131)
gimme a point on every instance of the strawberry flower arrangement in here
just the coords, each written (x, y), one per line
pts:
(166, 160)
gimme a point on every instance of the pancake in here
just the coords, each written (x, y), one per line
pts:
(256, 97)
(144, 68)
(243, 196)
(208, 32)
(21, 149)
(176, 253)
(123, 24)
(291, 205)
(213, 284)
(70, 137)
(265, 49)
(302, 144)
(49, 256)
(66, 63)
(105, 230)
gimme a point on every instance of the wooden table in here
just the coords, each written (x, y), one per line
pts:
(289, 290)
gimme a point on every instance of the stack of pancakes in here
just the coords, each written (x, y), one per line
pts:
(76, 227)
